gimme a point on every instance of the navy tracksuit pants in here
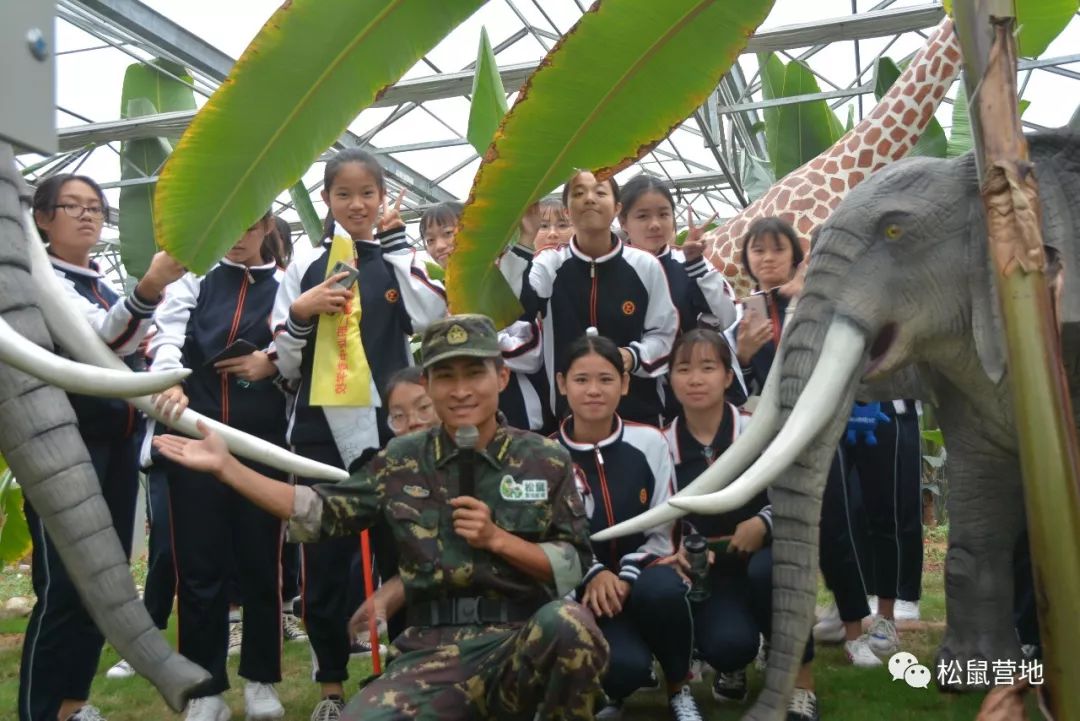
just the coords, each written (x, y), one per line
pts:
(871, 517)
(62, 647)
(655, 621)
(330, 591)
(728, 624)
(217, 536)
(160, 590)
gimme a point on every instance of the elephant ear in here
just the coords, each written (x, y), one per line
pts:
(986, 323)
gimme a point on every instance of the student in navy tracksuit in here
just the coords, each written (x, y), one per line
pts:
(623, 469)
(397, 298)
(772, 257)
(62, 645)
(727, 624)
(698, 290)
(596, 281)
(217, 534)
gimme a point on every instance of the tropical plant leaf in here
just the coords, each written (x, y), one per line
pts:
(14, 533)
(307, 74)
(932, 143)
(488, 97)
(850, 119)
(935, 436)
(1038, 22)
(794, 134)
(435, 271)
(611, 89)
(158, 86)
(960, 138)
(313, 225)
(756, 176)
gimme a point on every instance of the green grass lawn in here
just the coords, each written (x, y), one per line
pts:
(845, 693)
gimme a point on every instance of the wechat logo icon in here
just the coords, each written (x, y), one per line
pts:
(903, 666)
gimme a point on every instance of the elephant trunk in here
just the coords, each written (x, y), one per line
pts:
(40, 440)
(796, 501)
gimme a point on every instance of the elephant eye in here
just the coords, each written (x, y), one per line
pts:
(893, 231)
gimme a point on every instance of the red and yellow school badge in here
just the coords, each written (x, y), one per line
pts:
(628, 308)
(392, 295)
(643, 497)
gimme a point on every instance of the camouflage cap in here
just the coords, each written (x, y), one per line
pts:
(470, 335)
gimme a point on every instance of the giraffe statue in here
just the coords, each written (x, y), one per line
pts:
(807, 195)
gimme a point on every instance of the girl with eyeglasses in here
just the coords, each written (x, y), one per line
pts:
(62, 646)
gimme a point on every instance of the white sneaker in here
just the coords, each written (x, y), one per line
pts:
(859, 653)
(361, 647)
(884, 640)
(122, 669)
(261, 701)
(612, 711)
(803, 706)
(871, 601)
(208, 708)
(236, 637)
(829, 628)
(683, 706)
(906, 610)
(329, 709)
(86, 713)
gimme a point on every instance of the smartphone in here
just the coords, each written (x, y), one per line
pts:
(756, 302)
(233, 350)
(343, 267)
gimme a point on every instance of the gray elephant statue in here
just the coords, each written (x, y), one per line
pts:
(899, 302)
(40, 440)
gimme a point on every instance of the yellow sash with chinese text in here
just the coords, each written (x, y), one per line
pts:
(340, 374)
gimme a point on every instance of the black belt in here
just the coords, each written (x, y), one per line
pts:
(469, 612)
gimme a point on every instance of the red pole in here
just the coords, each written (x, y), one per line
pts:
(369, 592)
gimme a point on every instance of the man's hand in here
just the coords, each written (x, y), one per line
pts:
(472, 521)
(387, 600)
(251, 367)
(326, 298)
(749, 536)
(606, 594)
(171, 402)
(209, 455)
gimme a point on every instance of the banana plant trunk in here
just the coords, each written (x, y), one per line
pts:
(1045, 423)
(796, 500)
(40, 439)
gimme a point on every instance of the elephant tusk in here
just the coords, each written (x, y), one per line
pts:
(727, 467)
(19, 352)
(83, 342)
(840, 360)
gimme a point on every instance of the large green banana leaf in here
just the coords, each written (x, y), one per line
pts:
(313, 225)
(794, 134)
(14, 533)
(1038, 22)
(488, 97)
(147, 90)
(961, 139)
(307, 74)
(932, 143)
(611, 89)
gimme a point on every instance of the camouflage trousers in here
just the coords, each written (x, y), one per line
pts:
(548, 668)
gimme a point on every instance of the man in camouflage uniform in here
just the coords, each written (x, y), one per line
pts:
(488, 636)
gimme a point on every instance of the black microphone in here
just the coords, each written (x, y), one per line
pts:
(466, 437)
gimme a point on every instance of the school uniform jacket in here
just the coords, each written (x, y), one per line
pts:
(203, 315)
(692, 458)
(397, 298)
(620, 477)
(623, 294)
(525, 400)
(758, 370)
(123, 326)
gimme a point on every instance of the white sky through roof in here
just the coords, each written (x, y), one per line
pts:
(90, 74)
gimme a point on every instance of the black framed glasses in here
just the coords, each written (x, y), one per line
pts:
(76, 210)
